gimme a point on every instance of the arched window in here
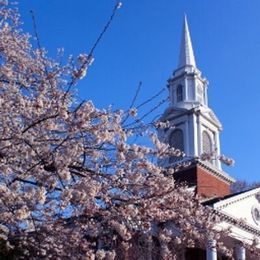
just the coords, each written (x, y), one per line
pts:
(207, 143)
(176, 141)
(179, 93)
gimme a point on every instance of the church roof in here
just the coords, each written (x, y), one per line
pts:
(186, 52)
(218, 199)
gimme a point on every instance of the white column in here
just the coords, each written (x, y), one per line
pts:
(194, 134)
(199, 134)
(206, 95)
(218, 149)
(186, 89)
(187, 137)
(211, 250)
(240, 252)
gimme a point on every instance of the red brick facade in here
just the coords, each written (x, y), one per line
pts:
(207, 185)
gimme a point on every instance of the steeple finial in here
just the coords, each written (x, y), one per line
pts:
(186, 53)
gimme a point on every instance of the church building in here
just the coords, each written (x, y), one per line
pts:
(195, 130)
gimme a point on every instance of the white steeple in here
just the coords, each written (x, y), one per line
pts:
(193, 127)
(196, 126)
(186, 51)
(188, 89)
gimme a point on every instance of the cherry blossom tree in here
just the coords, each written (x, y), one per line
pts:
(72, 185)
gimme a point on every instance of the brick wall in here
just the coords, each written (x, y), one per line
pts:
(207, 185)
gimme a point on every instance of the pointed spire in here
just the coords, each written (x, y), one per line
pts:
(186, 52)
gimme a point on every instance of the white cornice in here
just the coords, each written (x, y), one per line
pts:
(211, 169)
(238, 223)
(234, 199)
(216, 172)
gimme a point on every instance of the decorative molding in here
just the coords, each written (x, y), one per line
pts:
(209, 167)
(216, 172)
(195, 110)
(224, 203)
(238, 223)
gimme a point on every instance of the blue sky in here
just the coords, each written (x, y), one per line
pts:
(143, 45)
